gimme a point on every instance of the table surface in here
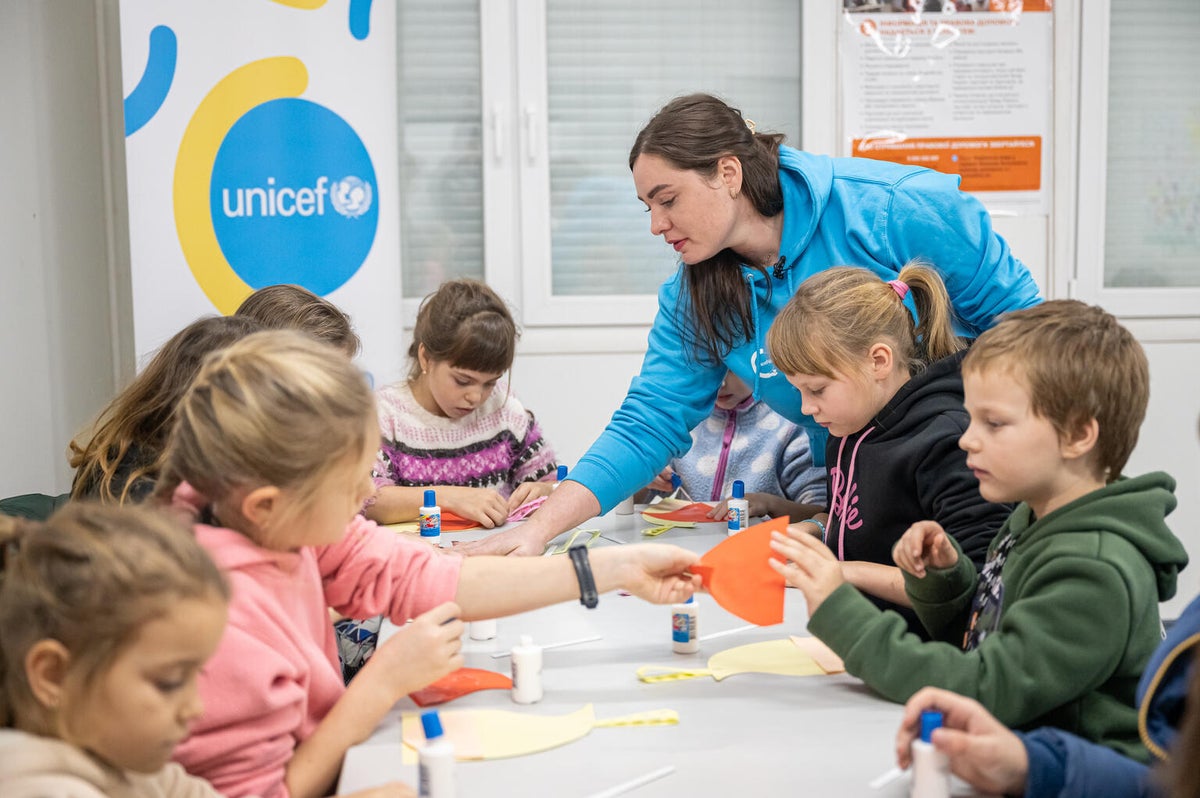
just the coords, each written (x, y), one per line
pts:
(757, 734)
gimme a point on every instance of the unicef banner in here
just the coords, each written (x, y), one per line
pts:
(261, 148)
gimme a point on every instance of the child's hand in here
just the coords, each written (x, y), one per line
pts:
(420, 653)
(808, 564)
(654, 571)
(394, 789)
(527, 492)
(721, 511)
(662, 482)
(477, 504)
(982, 751)
(924, 545)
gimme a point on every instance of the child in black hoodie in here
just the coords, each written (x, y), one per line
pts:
(889, 390)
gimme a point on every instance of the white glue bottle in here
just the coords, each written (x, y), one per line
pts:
(430, 516)
(930, 767)
(739, 509)
(482, 630)
(684, 627)
(435, 760)
(526, 672)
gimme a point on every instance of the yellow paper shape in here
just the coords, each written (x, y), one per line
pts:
(782, 657)
(496, 733)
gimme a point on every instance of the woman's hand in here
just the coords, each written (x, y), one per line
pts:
(807, 564)
(982, 751)
(483, 505)
(655, 572)
(527, 492)
(520, 541)
(924, 545)
(420, 653)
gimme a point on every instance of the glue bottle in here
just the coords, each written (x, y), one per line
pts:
(684, 627)
(562, 474)
(931, 767)
(435, 760)
(526, 672)
(430, 516)
(739, 508)
(482, 630)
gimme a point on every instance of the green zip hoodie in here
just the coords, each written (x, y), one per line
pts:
(1078, 618)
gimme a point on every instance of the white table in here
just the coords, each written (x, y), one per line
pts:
(748, 735)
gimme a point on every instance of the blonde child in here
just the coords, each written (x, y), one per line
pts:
(1059, 625)
(453, 425)
(272, 452)
(119, 461)
(291, 307)
(106, 616)
(890, 393)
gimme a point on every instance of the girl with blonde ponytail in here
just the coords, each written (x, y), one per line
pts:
(888, 388)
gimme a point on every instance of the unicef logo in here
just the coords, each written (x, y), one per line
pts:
(351, 197)
(292, 197)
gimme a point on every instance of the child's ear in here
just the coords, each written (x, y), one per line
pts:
(260, 505)
(1082, 441)
(882, 359)
(46, 666)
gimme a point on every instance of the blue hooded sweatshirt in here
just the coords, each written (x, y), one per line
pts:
(836, 212)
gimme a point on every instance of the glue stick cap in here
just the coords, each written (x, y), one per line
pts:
(430, 498)
(562, 473)
(930, 719)
(739, 489)
(690, 600)
(432, 724)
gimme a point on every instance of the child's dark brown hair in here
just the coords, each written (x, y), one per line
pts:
(466, 324)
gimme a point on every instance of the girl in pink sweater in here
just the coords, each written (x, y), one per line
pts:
(271, 453)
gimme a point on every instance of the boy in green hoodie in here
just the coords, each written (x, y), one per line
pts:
(1058, 627)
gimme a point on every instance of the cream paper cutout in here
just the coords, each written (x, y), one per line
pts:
(783, 657)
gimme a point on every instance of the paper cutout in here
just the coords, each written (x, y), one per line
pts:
(784, 657)
(566, 546)
(737, 574)
(496, 733)
(822, 654)
(680, 512)
(459, 683)
(452, 522)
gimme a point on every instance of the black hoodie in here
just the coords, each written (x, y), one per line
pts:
(905, 466)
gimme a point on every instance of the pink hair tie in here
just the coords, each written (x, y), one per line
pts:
(900, 287)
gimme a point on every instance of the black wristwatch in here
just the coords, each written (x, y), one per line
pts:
(583, 571)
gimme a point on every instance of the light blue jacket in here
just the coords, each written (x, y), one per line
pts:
(836, 211)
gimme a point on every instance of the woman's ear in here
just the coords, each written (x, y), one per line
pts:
(46, 665)
(1081, 441)
(729, 172)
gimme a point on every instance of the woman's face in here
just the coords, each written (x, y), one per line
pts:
(694, 214)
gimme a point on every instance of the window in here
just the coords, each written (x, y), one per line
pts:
(520, 175)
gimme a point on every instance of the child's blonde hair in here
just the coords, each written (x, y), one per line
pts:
(89, 577)
(1078, 363)
(276, 408)
(835, 316)
(292, 307)
(466, 324)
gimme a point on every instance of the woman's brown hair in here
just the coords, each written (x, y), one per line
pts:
(89, 577)
(694, 132)
(126, 445)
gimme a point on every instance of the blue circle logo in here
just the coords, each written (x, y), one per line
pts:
(293, 197)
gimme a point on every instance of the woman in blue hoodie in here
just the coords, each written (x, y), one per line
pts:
(751, 219)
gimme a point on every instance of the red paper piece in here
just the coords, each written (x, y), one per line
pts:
(694, 512)
(459, 683)
(736, 573)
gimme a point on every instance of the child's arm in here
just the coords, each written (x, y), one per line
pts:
(396, 503)
(492, 587)
(883, 581)
(924, 544)
(420, 653)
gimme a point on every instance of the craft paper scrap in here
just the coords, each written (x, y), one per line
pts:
(822, 654)
(737, 574)
(459, 683)
(452, 522)
(781, 657)
(680, 511)
(497, 733)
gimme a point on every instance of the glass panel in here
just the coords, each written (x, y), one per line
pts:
(1152, 230)
(610, 66)
(441, 172)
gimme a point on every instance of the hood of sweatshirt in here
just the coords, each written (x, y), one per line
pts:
(1134, 508)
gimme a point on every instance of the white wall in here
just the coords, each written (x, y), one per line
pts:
(64, 296)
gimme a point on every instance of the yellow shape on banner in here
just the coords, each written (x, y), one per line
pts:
(236, 94)
(783, 657)
(307, 5)
(498, 733)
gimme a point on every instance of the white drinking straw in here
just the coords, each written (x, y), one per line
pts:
(633, 784)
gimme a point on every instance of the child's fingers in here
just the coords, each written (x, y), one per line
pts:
(442, 613)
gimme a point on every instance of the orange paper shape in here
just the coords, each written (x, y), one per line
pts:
(696, 513)
(736, 573)
(456, 523)
(459, 683)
